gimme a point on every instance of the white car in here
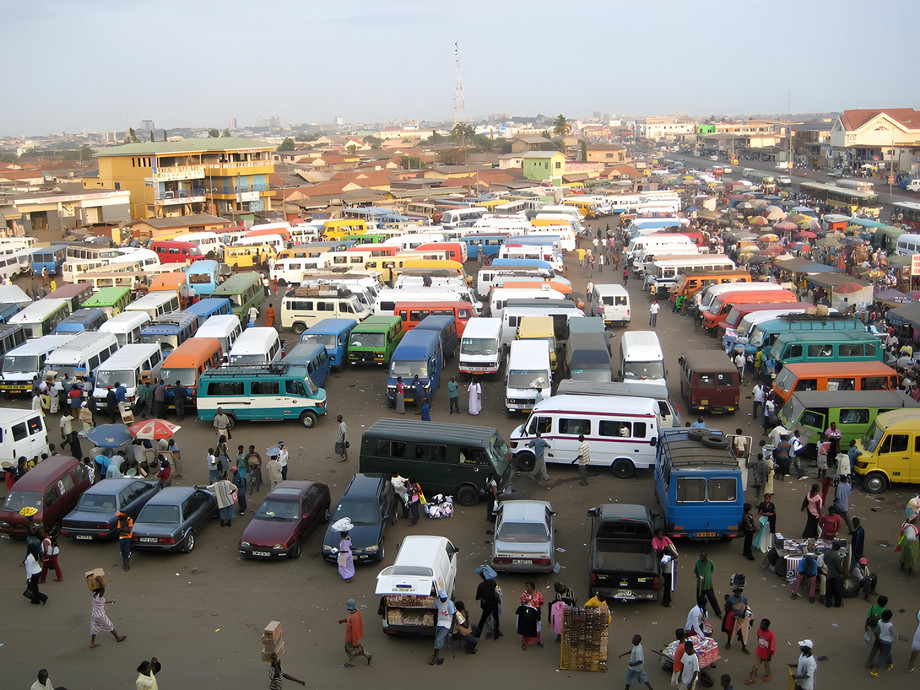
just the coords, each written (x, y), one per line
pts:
(524, 540)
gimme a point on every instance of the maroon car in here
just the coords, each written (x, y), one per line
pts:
(286, 515)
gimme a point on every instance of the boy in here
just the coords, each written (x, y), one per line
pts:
(636, 671)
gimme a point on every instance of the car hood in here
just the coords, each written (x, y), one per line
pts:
(88, 516)
(269, 532)
(362, 536)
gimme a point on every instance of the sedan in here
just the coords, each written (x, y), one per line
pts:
(171, 519)
(524, 541)
(95, 515)
(286, 515)
(371, 504)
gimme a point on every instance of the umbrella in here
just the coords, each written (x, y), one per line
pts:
(801, 247)
(759, 259)
(769, 237)
(829, 241)
(848, 287)
(343, 525)
(273, 452)
(774, 213)
(748, 250)
(759, 220)
(745, 205)
(154, 429)
(757, 203)
(774, 250)
(109, 435)
(786, 225)
(805, 235)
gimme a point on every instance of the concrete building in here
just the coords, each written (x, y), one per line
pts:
(544, 166)
(883, 139)
(46, 216)
(610, 154)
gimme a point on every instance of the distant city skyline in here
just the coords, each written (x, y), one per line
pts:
(103, 65)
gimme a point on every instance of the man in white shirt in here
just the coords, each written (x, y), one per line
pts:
(283, 456)
(446, 613)
(583, 458)
(777, 434)
(758, 393)
(653, 313)
(807, 666)
(691, 670)
(739, 364)
(43, 682)
(696, 617)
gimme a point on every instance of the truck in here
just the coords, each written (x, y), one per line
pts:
(621, 561)
(408, 589)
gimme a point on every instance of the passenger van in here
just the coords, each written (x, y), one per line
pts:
(244, 290)
(171, 282)
(332, 334)
(691, 283)
(225, 327)
(156, 304)
(445, 325)
(740, 311)
(659, 243)
(176, 251)
(375, 339)
(185, 365)
(313, 356)
(721, 306)
(203, 276)
(621, 432)
(480, 347)
(388, 298)
(22, 435)
(413, 313)
(82, 320)
(41, 317)
(81, 355)
(533, 251)
(710, 294)
(610, 301)
(52, 487)
(489, 277)
(811, 412)
(754, 318)
(668, 414)
(763, 334)
(204, 309)
(664, 271)
(270, 392)
(500, 296)
(256, 345)
(112, 300)
(453, 459)
(76, 293)
(130, 366)
(169, 331)
(26, 361)
(641, 357)
(528, 369)
(709, 381)
(304, 307)
(485, 243)
(248, 256)
(834, 376)
(49, 258)
(126, 326)
(587, 357)
(265, 246)
(832, 346)
(890, 451)
(908, 244)
(561, 311)
(539, 328)
(418, 353)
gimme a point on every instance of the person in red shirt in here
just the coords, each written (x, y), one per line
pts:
(830, 524)
(766, 648)
(354, 631)
(680, 634)
(164, 470)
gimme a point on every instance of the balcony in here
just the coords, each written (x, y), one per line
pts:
(179, 172)
(180, 196)
(240, 168)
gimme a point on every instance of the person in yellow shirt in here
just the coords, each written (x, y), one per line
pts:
(581, 256)
(599, 601)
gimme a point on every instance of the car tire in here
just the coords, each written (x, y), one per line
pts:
(327, 515)
(381, 554)
(525, 462)
(467, 495)
(715, 442)
(55, 530)
(307, 419)
(624, 469)
(299, 327)
(296, 551)
(188, 544)
(875, 483)
(395, 508)
(696, 435)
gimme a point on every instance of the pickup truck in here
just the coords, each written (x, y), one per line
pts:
(622, 563)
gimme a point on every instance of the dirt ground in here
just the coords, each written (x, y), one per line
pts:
(202, 613)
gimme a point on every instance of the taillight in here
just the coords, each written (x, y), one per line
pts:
(541, 561)
(166, 540)
(501, 561)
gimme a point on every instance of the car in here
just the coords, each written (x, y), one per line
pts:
(95, 514)
(783, 180)
(727, 170)
(713, 158)
(834, 173)
(524, 537)
(286, 516)
(371, 504)
(171, 520)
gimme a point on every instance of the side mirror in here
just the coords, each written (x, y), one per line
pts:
(592, 512)
(653, 441)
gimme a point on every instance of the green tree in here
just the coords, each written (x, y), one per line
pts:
(286, 145)
(132, 137)
(453, 156)
(584, 150)
(375, 142)
(214, 132)
(165, 138)
(462, 132)
(561, 126)
(226, 132)
(9, 157)
(301, 137)
(411, 163)
(351, 148)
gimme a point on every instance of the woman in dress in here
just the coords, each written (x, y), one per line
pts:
(475, 391)
(50, 552)
(812, 505)
(344, 558)
(531, 598)
(99, 622)
(400, 395)
(910, 547)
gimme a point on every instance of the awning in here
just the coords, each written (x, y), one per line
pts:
(909, 314)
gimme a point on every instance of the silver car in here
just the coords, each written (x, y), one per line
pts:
(524, 537)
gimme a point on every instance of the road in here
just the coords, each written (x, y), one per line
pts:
(202, 613)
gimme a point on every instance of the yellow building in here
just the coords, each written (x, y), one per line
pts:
(222, 176)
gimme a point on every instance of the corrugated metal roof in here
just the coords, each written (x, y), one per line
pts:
(160, 148)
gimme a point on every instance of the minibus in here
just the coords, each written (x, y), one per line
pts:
(709, 381)
(22, 435)
(744, 309)
(561, 228)
(76, 293)
(480, 244)
(375, 339)
(112, 300)
(587, 357)
(127, 326)
(539, 328)
(692, 283)
(185, 365)
(169, 331)
(176, 251)
(206, 308)
(412, 313)
(336, 228)
(418, 353)
(445, 325)
(560, 310)
(225, 327)
(11, 336)
(130, 366)
(456, 251)
(529, 369)
(763, 334)
(834, 376)
(621, 432)
(303, 307)
(659, 243)
(203, 276)
(462, 217)
(42, 317)
(490, 277)
(49, 259)
(313, 356)
(388, 298)
(250, 255)
(610, 301)
(500, 296)
(171, 282)
(668, 414)
(52, 488)
(889, 452)
(333, 335)
(458, 460)
(710, 294)
(14, 263)
(641, 357)
(270, 392)
(155, 304)
(256, 345)
(207, 242)
(833, 346)
(756, 316)
(81, 320)
(663, 273)
(244, 290)
(721, 306)
(24, 362)
(282, 228)
(533, 251)
(644, 260)
(480, 347)
(82, 355)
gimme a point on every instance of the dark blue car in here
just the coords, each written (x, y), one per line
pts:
(371, 504)
(95, 514)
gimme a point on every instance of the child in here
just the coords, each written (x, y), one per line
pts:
(636, 671)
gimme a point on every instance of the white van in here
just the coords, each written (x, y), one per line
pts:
(490, 277)
(276, 242)
(610, 301)
(303, 307)
(645, 259)
(532, 251)
(22, 435)
(462, 217)
(205, 241)
(25, 362)
(659, 241)
(127, 326)
(668, 414)
(156, 303)
(908, 244)
(257, 345)
(560, 310)
(528, 369)
(131, 365)
(641, 357)
(481, 346)
(413, 239)
(82, 355)
(225, 327)
(621, 432)
(500, 297)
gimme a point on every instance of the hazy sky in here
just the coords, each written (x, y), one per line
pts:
(107, 64)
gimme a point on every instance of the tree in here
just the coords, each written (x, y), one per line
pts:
(453, 156)
(286, 145)
(165, 138)
(9, 157)
(411, 163)
(132, 137)
(561, 126)
(462, 132)
(584, 150)
(226, 132)
(214, 132)
(375, 142)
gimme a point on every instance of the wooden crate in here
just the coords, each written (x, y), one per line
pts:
(91, 578)
(272, 633)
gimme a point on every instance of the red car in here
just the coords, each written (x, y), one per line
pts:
(285, 517)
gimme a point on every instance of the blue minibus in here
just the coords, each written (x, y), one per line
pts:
(169, 331)
(418, 353)
(48, 258)
(313, 356)
(202, 276)
(206, 308)
(89, 319)
(333, 335)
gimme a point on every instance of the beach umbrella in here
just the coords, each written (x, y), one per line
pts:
(154, 429)
(829, 241)
(805, 235)
(273, 452)
(109, 435)
(848, 288)
(786, 226)
(801, 247)
(773, 251)
(769, 237)
(759, 220)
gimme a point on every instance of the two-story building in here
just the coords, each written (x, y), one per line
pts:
(543, 166)
(883, 139)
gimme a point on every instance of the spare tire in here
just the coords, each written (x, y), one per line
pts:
(696, 434)
(716, 442)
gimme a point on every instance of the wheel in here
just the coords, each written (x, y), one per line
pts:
(297, 550)
(299, 327)
(624, 469)
(875, 483)
(55, 530)
(327, 514)
(715, 442)
(526, 462)
(189, 544)
(467, 496)
(381, 553)
(307, 419)
(395, 508)
(695, 435)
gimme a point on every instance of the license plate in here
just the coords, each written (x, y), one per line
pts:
(83, 536)
(625, 594)
(148, 540)
(704, 402)
(261, 553)
(707, 534)
(521, 561)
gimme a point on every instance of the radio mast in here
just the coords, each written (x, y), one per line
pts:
(459, 107)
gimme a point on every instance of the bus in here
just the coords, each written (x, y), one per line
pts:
(111, 300)
(858, 185)
(244, 290)
(663, 273)
(850, 200)
(462, 217)
(202, 277)
(586, 207)
(207, 241)
(206, 308)
(42, 317)
(169, 331)
(336, 229)
(13, 244)
(15, 262)
(11, 336)
(21, 364)
(127, 326)
(49, 259)
(184, 365)
(908, 212)
(83, 257)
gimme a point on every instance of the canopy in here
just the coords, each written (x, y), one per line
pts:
(892, 296)
(909, 314)
(109, 435)
(805, 235)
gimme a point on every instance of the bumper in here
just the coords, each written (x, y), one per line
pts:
(82, 534)
(265, 553)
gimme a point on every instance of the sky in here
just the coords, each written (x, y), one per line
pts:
(108, 64)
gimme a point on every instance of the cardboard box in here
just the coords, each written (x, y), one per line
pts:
(91, 578)
(268, 650)
(272, 633)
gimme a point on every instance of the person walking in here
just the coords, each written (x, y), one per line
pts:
(873, 616)
(589, 292)
(344, 558)
(653, 313)
(812, 505)
(763, 654)
(124, 527)
(703, 570)
(354, 631)
(239, 481)
(834, 565)
(626, 276)
(907, 541)
(583, 458)
(426, 411)
(475, 396)
(806, 667)
(99, 622)
(914, 647)
(86, 417)
(690, 672)
(277, 675)
(225, 492)
(159, 399)
(341, 443)
(284, 457)
(142, 399)
(829, 524)
(539, 449)
(147, 674)
(270, 316)
(222, 424)
(400, 396)
(489, 596)
(50, 552)
(636, 671)
(453, 395)
(33, 565)
(666, 553)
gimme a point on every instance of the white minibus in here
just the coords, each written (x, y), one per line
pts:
(25, 362)
(225, 327)
(127, 326)
(529, 369)
(560, 310)
(664, 271)
(82, 355)
(41, 317)
(256, 345)
(610, 301)
(481, 346)
(500, 297)
(303, 307)
(131, 365)
(641, 357)
(156, 303)
(532, 251)
(276, 242)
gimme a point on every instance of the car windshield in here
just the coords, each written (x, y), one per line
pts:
(522, 532)
(360, 512)
(255, 358)
(601, 375)
(327, 340)
(185, 376)
(643, 370)
(273, 509)
(870, 440)
(528, 378)
(367, 340)
(785, 380)
(20, 364)
(159, 515)
(479, 346)
(17, 500)
(408, 369)
(97, 503)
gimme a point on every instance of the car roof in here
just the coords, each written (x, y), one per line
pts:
(37, 478)
(172, 495)
(289, 490)
(364, 486)
(524, 511)
(114, 485)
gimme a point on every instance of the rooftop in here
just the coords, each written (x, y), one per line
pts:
(165, 148)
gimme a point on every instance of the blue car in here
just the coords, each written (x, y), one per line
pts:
(95, 514)
(371, 504)
(171, 520)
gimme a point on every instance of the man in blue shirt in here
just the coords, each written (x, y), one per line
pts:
(539, 447)
(120, 392)
(698, 424)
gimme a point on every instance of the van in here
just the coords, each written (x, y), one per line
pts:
(75, 293)
(169, 331)
(500, 296)
(480, 347)
(22, 363)
(80, 321)
(270, 392)
(533, 251)
(722, 305)
(176, 251)
(176, 282)
(413, 313)
(690, 284)
(81, 355)
(740, 311)
(528, 369)
(130, 366)
(204, 309)
(252, 256)
(830, 346)
(225, 327)
(668, 414)
(303, 307)
(126, 326)
(762, 335)
(53, 487)
(111, 300)
(256, 345)
(610, 301)
(621, 432)
(452, 459)
(375, 339)
(333, 335)
(22, 435)
(641, 357)
(244, 290)
(539, 328)
(834, 376)
(889, 452)
(274, 242)
(758, 316)
(418, 353)
(709, 381)
(156, 303)
(708, 295)
(658, 242)
(811, 412)
(313, 357)
(446, 326)
(388, 298)
(185, 365)
(41, 317)
(587, 357)
(560, 310)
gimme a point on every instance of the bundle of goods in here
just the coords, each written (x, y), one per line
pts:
(440, 506)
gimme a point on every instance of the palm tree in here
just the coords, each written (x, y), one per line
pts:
(462, 132)
(561, 126)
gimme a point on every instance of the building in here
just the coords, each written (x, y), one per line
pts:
(886, 139)
(611, 154)
(530, 143)
(47, 216)
(811, 142)
(225, 176)
(155, 227)
(665, 128)
(544, 166)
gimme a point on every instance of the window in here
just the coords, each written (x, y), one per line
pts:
(19, 431)
(691, 490)
(50, 497)
(723, 489)
(894, 443)
(813, 419)
(430, 451)
(609, 427)
(264, 387)
(225, 388)
(574, 427)
(294, 387)
(794, 351)
(473, 456)
(807, 385)
(875, 383)
(417, 315)
(542, 424)
(854, 416)
(391, 449)
(849, 350)
(35, 426)
(823, 350)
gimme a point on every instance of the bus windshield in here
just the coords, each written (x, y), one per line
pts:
(479, 346)
(872, 438)
(367, 340)
(324, 339)
(184, 376)
(106, 378)
(528, 378)
(408, 369)
(20, 364)
(643, 370)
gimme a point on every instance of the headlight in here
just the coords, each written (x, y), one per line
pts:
(245, 544)
(278, 546)
(328, 548)
(372, 549)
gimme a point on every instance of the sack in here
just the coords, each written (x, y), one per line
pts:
(347, 444)
(29, 594)
(867, 638)
(339, 450)
(341, 559)
(235, 496)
